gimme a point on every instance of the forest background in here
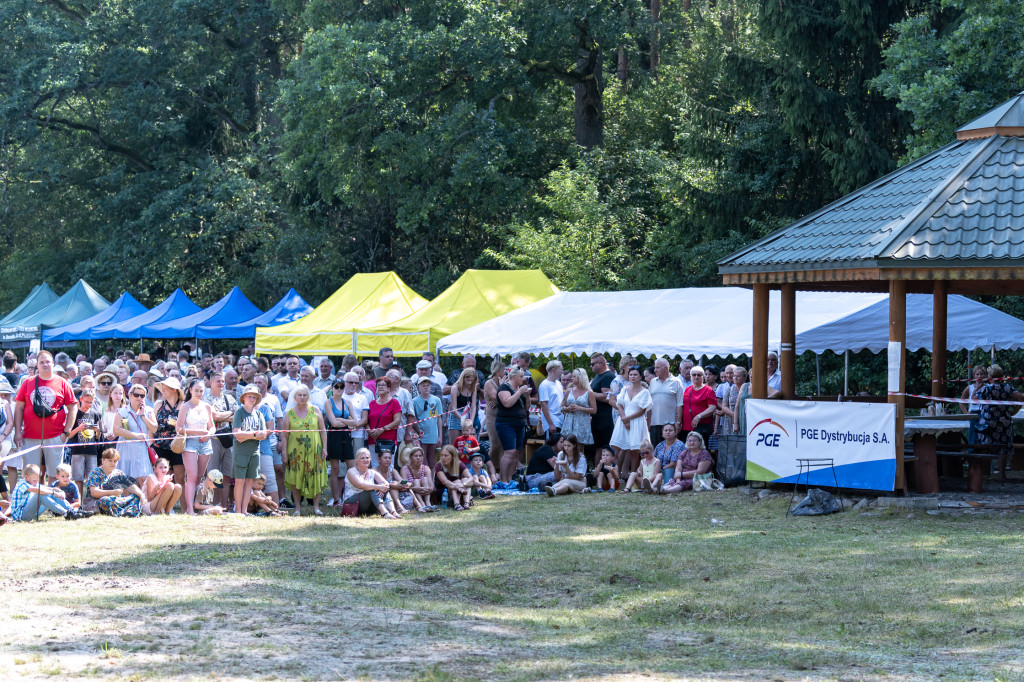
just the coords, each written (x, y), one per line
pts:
(616, 144)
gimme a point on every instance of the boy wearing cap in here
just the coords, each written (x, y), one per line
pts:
(249, 429)
(212, 482)
(427, 409)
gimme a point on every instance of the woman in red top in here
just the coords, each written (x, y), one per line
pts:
(699, 405)
(385, 416)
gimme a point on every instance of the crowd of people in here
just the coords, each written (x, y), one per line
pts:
(183, 432)
(127, 435)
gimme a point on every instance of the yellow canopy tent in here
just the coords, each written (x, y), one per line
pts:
(365, 299)
(476, 297)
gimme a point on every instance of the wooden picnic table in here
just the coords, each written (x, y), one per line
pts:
(925, 432)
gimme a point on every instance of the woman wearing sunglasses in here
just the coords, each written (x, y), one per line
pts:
(136, 424)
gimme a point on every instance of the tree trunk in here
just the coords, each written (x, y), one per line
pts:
(588, 111)
(623, 69)
(656, 35)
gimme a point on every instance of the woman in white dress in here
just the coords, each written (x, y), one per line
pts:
(631, 404)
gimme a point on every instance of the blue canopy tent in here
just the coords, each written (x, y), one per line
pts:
(291, 307)
(232, 309)
(125, 307)
(77, 303)
(40, 297)
(171, 308)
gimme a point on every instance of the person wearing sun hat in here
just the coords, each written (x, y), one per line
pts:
(249, 429)
(166, 410)
(104, 382)
(144, 362)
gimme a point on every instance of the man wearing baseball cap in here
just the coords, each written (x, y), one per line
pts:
(424, 368)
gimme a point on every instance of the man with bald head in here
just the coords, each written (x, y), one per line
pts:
(468, 361)
(667, 400)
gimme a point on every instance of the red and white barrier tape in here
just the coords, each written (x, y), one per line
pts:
(151, 441)
(960, 400)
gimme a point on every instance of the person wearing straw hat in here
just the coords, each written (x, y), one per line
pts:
(249, 428)
(104, 382)
(166, 409)
(6, 431)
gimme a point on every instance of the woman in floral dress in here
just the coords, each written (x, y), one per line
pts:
(305, 446)
(995, 425)
(578, 405)
(115, 493)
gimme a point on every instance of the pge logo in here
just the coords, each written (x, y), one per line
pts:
(768, 439)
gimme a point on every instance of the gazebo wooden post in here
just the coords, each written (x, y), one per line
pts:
(787, 358)
(898, 333)
(759, 363)
(939, 322)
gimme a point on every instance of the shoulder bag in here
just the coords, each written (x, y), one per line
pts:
(41, 409)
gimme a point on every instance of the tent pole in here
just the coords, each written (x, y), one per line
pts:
(939, 324)
(90, 348)
(846, 372)
(817, 366)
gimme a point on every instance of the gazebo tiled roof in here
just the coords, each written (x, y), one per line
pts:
(960, 206)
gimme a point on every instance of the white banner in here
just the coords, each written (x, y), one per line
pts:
(858, 437)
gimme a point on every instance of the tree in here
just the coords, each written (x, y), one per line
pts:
(952, 63)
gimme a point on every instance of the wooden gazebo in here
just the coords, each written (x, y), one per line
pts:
(950, 222)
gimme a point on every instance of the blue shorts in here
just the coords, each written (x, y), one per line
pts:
(455, 422)
(511, 435)
(192, 444)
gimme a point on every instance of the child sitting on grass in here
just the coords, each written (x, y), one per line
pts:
(206, 493)
(259, 502)
(607, 472)
(71, 493)
(28, 495)
(648, 476)
(478, 478)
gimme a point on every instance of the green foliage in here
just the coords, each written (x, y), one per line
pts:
(147, 145)
(952, 64)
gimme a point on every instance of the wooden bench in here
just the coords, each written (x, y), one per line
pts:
(979, 458)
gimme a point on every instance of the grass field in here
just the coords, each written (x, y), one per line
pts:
(708, 586)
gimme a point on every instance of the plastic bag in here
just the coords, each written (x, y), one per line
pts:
(817, 503)
(732, 459)
(706, 481)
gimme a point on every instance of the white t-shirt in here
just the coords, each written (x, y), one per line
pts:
(775, 381)
(551, 392)
(286, 384)
(357, 404)
(667, 396)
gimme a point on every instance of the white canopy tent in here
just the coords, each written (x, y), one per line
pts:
(716, 321)
(970, 325)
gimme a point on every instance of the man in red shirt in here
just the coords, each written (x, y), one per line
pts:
(46, 434)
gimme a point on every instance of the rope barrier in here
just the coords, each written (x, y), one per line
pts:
(150, 440)
(964, 401)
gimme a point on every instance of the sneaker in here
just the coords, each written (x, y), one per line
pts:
(587, 490)
(549, 490)
(286, 504)
(648, 488)
(83, 514)
(70, 515)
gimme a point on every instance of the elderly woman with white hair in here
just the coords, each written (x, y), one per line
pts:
(511, 420)
(694, 460)
(305, 451)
